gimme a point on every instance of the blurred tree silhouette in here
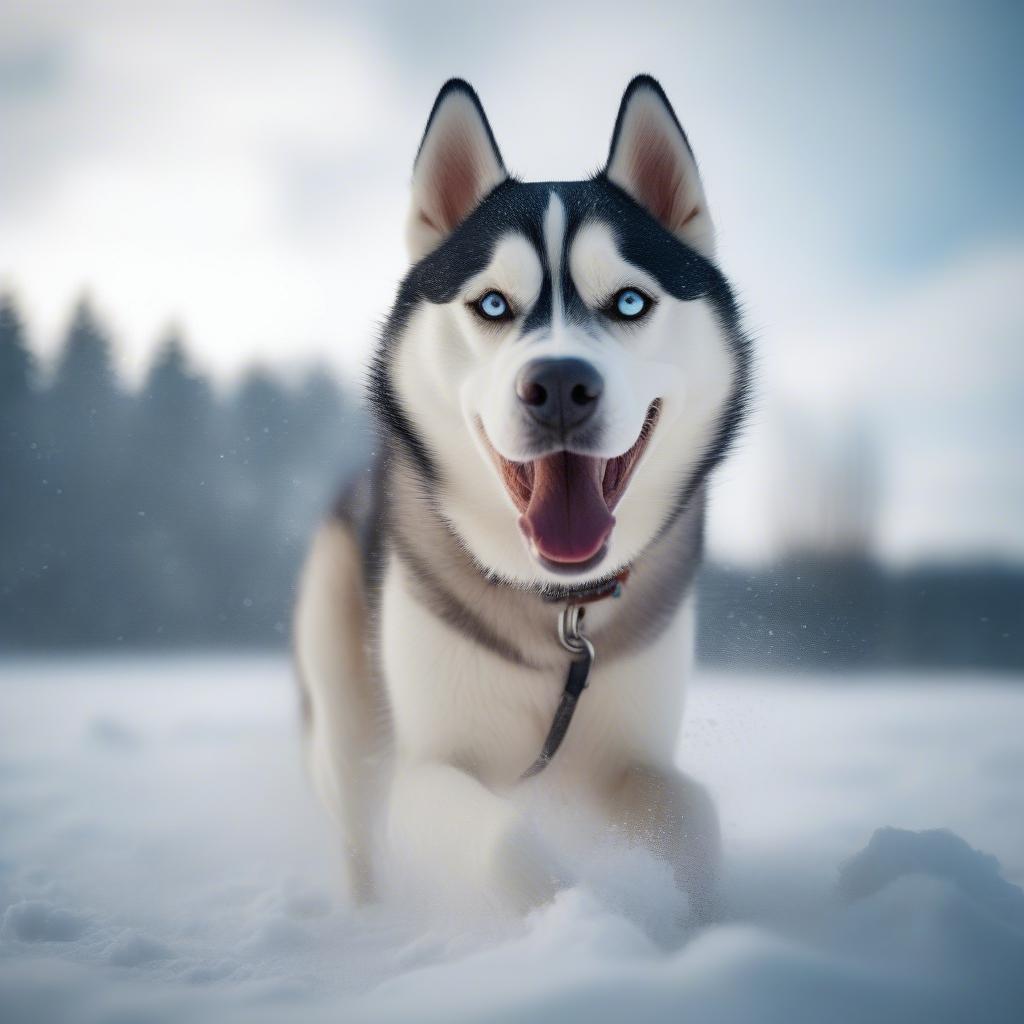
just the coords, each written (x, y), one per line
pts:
(167, 516)
(16, 364)
(85, 371)
(80, 514)
(175, 503)
(16, 452)
(175, 515)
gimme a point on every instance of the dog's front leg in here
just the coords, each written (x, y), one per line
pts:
(673, 816)
(449, 828)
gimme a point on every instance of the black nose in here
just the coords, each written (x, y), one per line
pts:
(559, 393)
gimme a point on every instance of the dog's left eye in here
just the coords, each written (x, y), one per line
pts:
(493, 306)
(628, 304)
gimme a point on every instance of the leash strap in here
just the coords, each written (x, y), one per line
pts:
(582, 650)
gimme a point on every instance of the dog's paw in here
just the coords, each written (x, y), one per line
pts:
(525, 872)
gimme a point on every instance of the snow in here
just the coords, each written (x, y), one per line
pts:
(162, 859)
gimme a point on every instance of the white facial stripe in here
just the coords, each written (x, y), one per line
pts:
(598, 268)
(554, 242)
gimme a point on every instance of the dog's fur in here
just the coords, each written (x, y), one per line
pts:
(425, 630)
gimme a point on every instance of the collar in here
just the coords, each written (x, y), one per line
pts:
(611, 587)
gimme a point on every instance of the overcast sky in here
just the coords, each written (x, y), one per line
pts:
(241, 169)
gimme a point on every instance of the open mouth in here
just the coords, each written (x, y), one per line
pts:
(565, 500)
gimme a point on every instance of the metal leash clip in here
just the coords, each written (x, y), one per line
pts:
(570, 634)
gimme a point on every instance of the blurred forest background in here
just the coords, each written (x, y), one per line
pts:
(167, 515)
(176, 514)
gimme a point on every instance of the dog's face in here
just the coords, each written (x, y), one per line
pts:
(563, 362)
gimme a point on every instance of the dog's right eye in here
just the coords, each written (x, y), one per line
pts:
(628, 304)
(493, 306)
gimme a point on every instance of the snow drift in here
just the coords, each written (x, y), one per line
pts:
(161, 859)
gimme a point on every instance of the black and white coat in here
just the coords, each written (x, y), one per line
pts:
(426, 625)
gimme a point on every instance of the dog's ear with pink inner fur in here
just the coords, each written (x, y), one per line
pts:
(650, 158)
(457, 165)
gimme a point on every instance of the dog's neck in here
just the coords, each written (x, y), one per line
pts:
(519, 623)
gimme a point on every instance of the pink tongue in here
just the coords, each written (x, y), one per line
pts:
(567, 518)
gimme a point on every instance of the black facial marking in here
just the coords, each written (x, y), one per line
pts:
(516, 207)
(540, 316)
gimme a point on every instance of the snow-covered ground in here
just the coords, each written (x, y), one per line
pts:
(161, 859)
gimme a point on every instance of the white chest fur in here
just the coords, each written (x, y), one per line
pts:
(453, 700)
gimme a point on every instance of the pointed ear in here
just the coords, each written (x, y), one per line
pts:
(650, 158)
(458, 163)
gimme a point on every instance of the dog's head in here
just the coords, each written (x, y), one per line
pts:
(563, 364)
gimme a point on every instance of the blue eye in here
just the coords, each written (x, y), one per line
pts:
(493, 306)
(629, 304)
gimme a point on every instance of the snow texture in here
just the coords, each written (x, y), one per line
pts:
(162, 860)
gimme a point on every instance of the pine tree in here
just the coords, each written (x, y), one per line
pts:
(256, 482)
(85, 369)
(84, 516)
(332, 441)
(173, 391)
(16, 365)
(16, 392)
(263, 420)
(179, 525)
(17, 457)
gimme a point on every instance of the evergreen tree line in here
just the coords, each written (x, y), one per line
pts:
(164, 515)
(170, 515)
(813, 612)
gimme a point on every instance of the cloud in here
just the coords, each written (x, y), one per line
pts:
(241, 168)
(932, 379)
(168, 170)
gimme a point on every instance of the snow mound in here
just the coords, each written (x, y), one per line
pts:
(917, 942)
(894, 853)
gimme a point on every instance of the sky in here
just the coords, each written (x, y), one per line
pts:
(241, 171)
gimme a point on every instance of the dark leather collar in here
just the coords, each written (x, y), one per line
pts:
(611, 587)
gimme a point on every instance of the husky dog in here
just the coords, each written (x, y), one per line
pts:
(562, 369)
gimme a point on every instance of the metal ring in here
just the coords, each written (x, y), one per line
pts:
(569, 634)
(569, 626)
